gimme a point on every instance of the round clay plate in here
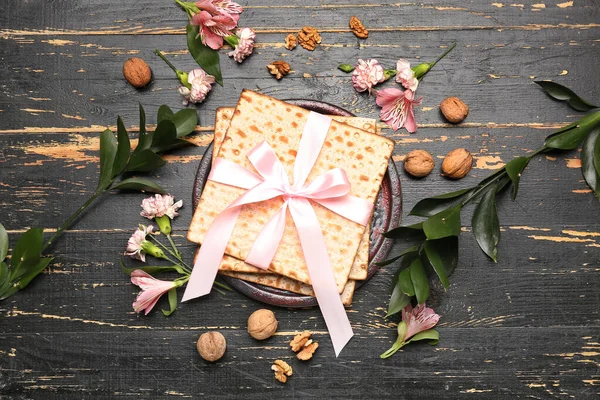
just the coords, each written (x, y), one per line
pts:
(388, 210)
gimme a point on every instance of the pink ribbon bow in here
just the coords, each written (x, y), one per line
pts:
(331, 190)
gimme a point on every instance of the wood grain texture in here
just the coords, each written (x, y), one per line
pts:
(526, 327)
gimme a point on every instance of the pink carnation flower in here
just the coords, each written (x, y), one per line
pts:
(405, 75)
(418, 319)
(245, 44)
(397, 108)
(160, 205)
(134, 244)
(367, 74)
(201, 84)
(152, 290)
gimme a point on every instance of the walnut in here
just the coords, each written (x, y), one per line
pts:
(457, 164)
(299, 341)
(137, 72)
(290, 41)
(307, 352)
(262, 324)
(279, 69)
(282, 370)
(358, 28)
(309, 37)
(454, 110)
(418, 163)
(211, 346)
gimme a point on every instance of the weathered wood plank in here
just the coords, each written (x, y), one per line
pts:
(67, 82)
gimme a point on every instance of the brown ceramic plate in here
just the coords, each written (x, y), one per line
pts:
(388, 210)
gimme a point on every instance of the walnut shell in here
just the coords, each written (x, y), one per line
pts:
(137, 72)
(418, 163)
(262, 324)
(457, 164)
(211, 345)
(454, 110)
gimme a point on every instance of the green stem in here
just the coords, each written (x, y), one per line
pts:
(72, 218)
(177, 252)
(158, 53)
(183, 263)
(443, 55)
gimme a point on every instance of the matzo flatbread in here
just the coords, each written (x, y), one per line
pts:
(364, 157)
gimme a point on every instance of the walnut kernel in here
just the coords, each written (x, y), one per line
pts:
(309, 37)
(282, 370)
(454, 109)
(279, 69)
(290, 41)
(262, 324)
(137, 72)
(299, 341)
(211, 345)
(307, 352)
(457, 164)
(358, 28)
(418, 163)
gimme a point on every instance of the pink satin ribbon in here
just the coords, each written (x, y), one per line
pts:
(331, 190)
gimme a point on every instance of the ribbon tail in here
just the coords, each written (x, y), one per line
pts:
(321, 273)
(210, 254)
(267, 242)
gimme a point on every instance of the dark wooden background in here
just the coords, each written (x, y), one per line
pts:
(526, 327)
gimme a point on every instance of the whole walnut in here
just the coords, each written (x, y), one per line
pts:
(457, 164)
(454, 109)
(418, 163)
(137, 72)
(262, 324)
(211, 345)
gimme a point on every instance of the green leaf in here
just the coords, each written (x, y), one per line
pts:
(562, 93)
(164, 113)
(3, 243)
(412, 249)
(4, 272)
(419, 280)
(571, 136)
(172, 302)
(347, 68)
(432, 335)
(27, 251)
(185, 121)
(145, 161)
(415, 230)
(33, 270)
(405, 282)
(433, 205)
(443, 224)
(398, 301)
(141, 184)
(154, 268)
(123, 149)
(108, 151)
(514, 168)
(145, 138)
(442, 254)
(164, 134)
(206, 57)
(597, 156)
(589, 160)
(486, 227)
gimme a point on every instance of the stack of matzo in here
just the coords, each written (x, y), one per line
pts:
(351, 144)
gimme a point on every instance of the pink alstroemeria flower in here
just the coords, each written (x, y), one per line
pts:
(152, 290)
(405, 75)
(160, 205)
(201, 84)
(245, 45)
(367, 74)
(397, 108)
(418, 319)
(213, 27)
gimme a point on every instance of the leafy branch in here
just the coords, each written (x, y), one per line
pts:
(436, 252)
(117, 163)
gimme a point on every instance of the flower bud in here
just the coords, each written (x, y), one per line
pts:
(347, 68)
(150, 248)
(421, 69)
(164, 224)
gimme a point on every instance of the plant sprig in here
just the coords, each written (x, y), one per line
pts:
(117, 163)
(436, 252)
